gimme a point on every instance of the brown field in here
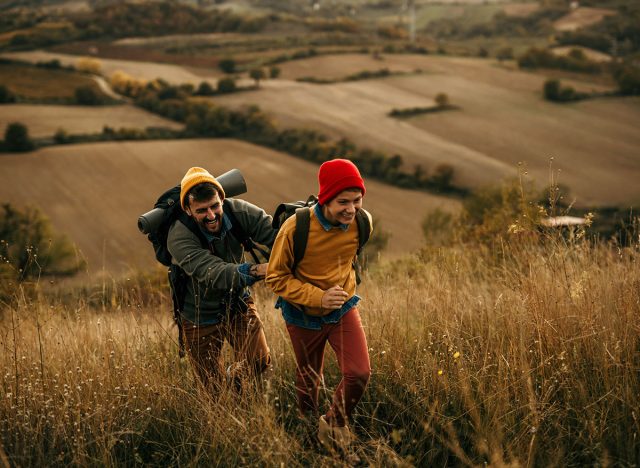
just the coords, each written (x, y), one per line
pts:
(45, 120)
(503, 121)
(94, 193)
(143, 70)
(582, 17)
(591, 54)
(521, 9)
(41, 83)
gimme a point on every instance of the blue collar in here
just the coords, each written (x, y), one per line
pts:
(324, 222)
(226, 227)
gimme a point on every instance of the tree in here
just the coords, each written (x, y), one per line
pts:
(87, 96)
(16, 137)
(551, 90)
(226, 85)
(6, 95)
(442, 100)
(227, 65)
(257, 74)
(205, 89)
(274, 72)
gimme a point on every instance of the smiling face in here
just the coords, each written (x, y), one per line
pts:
(342, 209)
(208, 214)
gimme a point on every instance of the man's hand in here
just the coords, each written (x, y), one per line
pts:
(334, 298)
(258, 270)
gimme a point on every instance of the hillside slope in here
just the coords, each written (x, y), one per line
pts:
(95, 193)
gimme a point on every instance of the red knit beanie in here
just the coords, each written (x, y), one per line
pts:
(335, 176)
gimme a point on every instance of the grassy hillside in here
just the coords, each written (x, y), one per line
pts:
(95, 193)
(529, 358)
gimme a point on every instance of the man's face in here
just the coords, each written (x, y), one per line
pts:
(342, 209)
(207, 214)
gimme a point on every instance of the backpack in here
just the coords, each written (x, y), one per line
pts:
(169, 202)
(302, 212)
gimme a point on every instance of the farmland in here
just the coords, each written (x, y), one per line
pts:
(95, 195)
(46, 120)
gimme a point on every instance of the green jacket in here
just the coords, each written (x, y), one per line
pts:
(217, 287)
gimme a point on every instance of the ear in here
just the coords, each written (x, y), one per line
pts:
(188, 211)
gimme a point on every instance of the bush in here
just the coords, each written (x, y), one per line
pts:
(89, 65)
(205, 89)
(227, 65)
(554, 91)
(274, 72)
(6, 95)
(226, 85)
(16, 138)
(31, 248)
(87, 96)
(442, 100)
(628, 78)
(257, 74)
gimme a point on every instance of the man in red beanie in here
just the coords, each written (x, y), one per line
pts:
(318, 300)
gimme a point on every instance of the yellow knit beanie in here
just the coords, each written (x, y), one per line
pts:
(193, 177)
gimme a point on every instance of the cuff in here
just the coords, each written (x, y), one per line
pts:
(243, 270)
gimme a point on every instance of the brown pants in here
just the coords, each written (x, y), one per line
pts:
(244, 333)
(349, 342)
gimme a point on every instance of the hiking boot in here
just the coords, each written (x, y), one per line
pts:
(333, 437)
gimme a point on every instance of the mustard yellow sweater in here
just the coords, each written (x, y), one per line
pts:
(327, 262)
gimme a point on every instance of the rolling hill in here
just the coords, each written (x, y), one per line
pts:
(94, 193)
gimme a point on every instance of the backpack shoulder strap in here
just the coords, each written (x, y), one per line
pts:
(300, 235)
(364, 229)
(239, 233)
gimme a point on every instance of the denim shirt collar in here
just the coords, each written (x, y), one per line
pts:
(324, 222)
(226, 227)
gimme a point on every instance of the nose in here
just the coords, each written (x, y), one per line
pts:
(211, 214)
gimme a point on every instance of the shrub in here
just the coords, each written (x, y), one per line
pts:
(6, 95)
(89, 65)
(505, 53)
(205, 89)
(554, 91)
(61, 136)
(227, 65)
(628, 78)
(226, 85)
(31, 248)
(274, 72)
(442, 100)
(87, 96)
(16, 138)
(257, 74)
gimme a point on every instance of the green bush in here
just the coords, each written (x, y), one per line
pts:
(227, 65)
(226, 85)
(628, 78)
(16, 138)
(30, 248)
(205, 89)
(554, 91)
(87, 96)
(6, 95)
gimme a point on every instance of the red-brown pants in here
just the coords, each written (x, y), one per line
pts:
(349, 342)
(244, 333)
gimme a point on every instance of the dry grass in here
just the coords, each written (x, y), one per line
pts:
(529, 357)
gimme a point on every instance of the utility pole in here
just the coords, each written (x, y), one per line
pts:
(411, 7)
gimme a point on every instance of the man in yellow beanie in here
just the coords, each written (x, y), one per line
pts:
(217, 304)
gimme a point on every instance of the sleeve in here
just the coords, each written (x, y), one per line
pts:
(281, 279)
(199, 263)
(255, 221)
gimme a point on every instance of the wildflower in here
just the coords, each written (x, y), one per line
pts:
(456, 355)
(440, 372)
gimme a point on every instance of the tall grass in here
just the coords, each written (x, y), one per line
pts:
(527, 354)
